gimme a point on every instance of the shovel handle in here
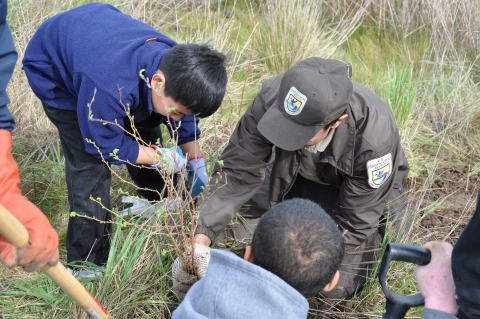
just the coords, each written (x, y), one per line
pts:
(17, 234)
(397, 305)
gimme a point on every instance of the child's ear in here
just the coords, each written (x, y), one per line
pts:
(248, 256)
(332, 283)
(158, 80)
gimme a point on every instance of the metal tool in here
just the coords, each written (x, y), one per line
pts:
(17, 234)
(398, 305)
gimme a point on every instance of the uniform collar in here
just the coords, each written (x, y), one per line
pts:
(341, 150)
(322, 145)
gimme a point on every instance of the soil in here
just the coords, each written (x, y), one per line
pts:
(456, 190)
(443, 209)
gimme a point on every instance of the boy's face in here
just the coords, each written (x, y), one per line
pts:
(324, 132)
(318, 138)
(165, 105)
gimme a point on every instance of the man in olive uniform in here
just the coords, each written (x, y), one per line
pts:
(329, 140)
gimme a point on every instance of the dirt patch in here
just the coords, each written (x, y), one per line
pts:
(449, 203)
(443, 206)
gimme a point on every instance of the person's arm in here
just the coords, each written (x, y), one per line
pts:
(146, 155)
(43, 240)
(197, 175)
(359, 208)
(236, 176)
(192, 149)
(8, 58)
(465, 266)
(101, 120)
(435, 279)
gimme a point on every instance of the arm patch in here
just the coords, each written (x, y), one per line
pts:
(379, 170)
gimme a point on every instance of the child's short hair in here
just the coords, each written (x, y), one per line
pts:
(297, 241)
(195, 77)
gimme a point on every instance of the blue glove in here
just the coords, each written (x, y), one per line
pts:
(197, 175)
(172, 159)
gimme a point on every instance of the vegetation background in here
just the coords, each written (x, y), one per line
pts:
(419, 56)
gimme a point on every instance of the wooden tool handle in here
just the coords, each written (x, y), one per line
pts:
(17, 234)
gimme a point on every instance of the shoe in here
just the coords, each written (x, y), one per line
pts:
(85, 273)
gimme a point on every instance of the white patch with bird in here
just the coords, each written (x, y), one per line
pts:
(379, 170)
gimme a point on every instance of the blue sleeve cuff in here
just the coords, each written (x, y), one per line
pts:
(7, 121)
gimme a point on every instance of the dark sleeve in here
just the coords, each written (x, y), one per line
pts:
(8, 58)
(360, 205)
(466, 266)
(240, 175)
(435, 314)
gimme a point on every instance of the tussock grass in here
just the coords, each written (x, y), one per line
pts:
(419, 57)
(294, 30)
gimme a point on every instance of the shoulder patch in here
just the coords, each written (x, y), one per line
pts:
(379, 170)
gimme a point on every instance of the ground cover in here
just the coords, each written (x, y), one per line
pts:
(421, 58)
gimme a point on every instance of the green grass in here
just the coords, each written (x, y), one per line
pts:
(422, 62)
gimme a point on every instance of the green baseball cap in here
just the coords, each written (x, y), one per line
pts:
(313, 93)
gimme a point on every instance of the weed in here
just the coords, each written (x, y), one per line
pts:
(420, 57)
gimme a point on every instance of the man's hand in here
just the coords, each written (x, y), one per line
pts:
(182, 279)
(197, 175)
(435, 280)
(43, 240)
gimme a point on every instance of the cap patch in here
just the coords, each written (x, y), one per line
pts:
(379, 170)
(294, 101)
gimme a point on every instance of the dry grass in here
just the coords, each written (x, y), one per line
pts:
(293, 30)
(438, 39)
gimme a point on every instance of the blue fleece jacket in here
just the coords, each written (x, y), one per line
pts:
(8, 58)
(88, 60)
(236, 289)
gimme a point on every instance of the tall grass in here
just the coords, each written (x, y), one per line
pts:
(451, 25)
(421, 57)
(399, 92)
(294, 30)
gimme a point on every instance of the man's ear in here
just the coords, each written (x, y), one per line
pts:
(332, 283)
(158, 80)
(339, 121)
(248, 256)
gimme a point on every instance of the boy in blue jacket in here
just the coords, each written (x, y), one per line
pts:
(107, 81)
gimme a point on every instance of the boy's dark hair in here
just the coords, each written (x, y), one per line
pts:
(297, 241)
(195, 77)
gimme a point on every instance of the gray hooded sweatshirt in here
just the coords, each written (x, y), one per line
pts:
(236, 289)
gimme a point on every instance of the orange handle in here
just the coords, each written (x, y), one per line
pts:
(17, 234)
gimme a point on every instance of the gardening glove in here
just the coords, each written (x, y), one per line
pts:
(42, 248)
(435, 280)
(171, 158)
(197, 175)
(182, 279)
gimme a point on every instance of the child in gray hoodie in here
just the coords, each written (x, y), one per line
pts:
(295, 254)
